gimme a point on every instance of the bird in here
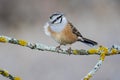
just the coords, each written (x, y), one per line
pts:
(62, 31)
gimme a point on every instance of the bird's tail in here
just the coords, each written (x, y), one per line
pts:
(88, 41)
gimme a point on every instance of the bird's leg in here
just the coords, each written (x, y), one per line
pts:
(69, 50)
(58, 48)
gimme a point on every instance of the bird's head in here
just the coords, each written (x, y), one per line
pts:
(57, 21)
(57, 18)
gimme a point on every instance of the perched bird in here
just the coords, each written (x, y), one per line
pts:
(62, 31)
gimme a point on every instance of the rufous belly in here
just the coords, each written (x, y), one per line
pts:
(66, 36)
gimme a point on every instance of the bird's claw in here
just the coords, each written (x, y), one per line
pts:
(69, 50)
(58, 49)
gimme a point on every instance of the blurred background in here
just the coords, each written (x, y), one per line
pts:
(24, 19)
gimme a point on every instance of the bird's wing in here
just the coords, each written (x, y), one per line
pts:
(75, 31)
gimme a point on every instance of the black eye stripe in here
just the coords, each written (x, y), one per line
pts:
(61, 20)
(57, 19)
(53, 15)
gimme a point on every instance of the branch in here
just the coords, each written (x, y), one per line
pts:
(8, 75)
(101, 50)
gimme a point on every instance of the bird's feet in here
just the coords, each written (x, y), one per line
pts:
(58, 49)
(69, 50)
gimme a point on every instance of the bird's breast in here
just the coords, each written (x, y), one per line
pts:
(66, 36)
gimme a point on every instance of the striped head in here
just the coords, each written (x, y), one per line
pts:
(57, 21)
(56, 18)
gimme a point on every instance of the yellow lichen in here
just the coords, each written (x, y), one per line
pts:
(4, 73)
(114, 51)
(92, 51)
(87, 77)
(75, 52)
(103, 51)
(22, 42)
(3, 39)
(17, 78)
(102, 56)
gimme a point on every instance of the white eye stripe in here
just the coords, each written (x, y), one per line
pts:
(59, 17)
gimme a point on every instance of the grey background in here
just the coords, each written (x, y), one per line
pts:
(24, 19)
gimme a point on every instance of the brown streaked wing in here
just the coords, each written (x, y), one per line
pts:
(75, 31)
